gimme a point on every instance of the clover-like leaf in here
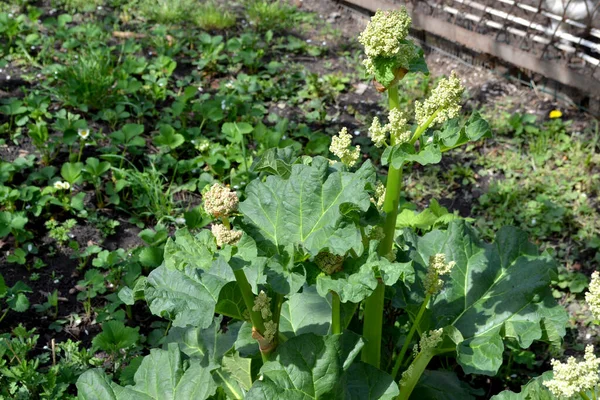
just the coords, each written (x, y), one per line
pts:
(494, 291)
(316, 367)
(162, 375)
(304, 210)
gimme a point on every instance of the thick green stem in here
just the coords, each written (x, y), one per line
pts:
(255, 317)
(414, 372)
(422, 128)
(408, 339)
(584, 396)
(373, 308)
(336, 317)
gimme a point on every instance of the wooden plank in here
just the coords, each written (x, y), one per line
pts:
(487, 44)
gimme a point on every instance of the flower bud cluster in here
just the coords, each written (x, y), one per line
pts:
(384, 32)
(225, 235)
(329, 263)
(573, 377)
(592, 297)
(437, 267)
(383, 37)
(262, 304)
(220, 201)
(397, 128)
(429, 341)
(380, 194)
(444, 102)
(340, 146)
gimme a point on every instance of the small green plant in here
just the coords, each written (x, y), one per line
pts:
(210, 16)
(267, 15)
(88, 81)
(13, 298)
(61, 232)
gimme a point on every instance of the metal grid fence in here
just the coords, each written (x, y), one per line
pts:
(559, 39)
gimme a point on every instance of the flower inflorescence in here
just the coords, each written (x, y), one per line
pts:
(397, 127)
(262, 304)
(384, 32)
(592, 297)
(224, 235)
(443, 103)
(328, 262)
(220, 201)
(437, 267)
(341, 147)
(384, 37)
(429, 341)
(573, 377)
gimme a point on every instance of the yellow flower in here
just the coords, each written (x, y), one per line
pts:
(555, 114)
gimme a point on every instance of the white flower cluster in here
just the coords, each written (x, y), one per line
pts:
(437, 267)
(219, 201)
(397, 127)
(444, 102)
(573, 377)
(592, 297)
(383, 36)
(225, 235)
(329, 263)
(262, 304)
(384, 32)
(60, 185)
(340, 146)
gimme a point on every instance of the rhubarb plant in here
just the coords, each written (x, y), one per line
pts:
(300, 269)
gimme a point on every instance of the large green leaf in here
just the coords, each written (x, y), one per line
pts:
(186, 288)
(210, 344)
(162, 375)
(443, 385)
(304, 210)
(315, 367)
(305, 312)
(495, 290)
(533, 390)
(359, 277)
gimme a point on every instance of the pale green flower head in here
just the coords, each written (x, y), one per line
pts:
(224, 235)
(377, 133)
(220, 201)
(384, 32)
(592, 297)
(443, 103)
(398, 127)
(262, 304)
(437, 267)
(328, 262)
(573, 377)
(270, 331)
(340, 147)
(429, 341)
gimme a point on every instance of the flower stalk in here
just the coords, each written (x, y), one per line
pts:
(336, 317)
(373, 308)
